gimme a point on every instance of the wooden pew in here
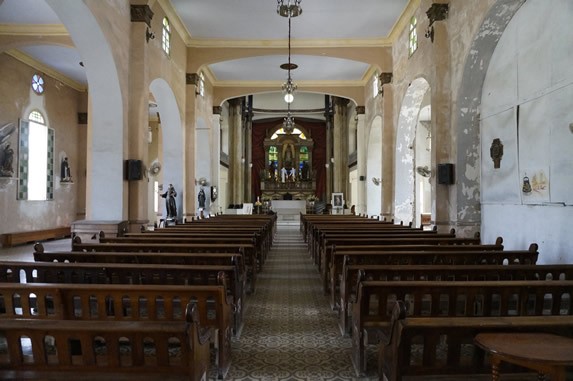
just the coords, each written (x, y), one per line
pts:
(123, 350)
(372, 310)
(119, 303)
(114, 273)
(332, 274)
(406, 239)
(247, 250)
(247, 243)
(353, 273)
(422, 346)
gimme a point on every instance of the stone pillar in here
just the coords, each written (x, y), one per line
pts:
(388, 152)
(443, 145)
(328, 167)
(215, 158)
(339, 167)
(361, 147)
(236, 151)
(248, 154)
(138, 119)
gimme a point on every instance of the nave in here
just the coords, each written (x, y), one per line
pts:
(290, 331)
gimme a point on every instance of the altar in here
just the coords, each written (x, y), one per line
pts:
(288, 211)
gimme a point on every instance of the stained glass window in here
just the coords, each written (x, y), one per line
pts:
(38, 84)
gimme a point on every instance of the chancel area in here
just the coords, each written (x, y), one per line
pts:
(256, 190)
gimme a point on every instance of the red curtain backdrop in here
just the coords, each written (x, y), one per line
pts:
(317, 133)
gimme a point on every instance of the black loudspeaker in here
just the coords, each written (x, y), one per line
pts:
(362, 178)
(133, 169)
(446, 174)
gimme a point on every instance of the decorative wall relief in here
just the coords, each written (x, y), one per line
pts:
(496, 152)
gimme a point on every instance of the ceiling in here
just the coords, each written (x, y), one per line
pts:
(252, 22)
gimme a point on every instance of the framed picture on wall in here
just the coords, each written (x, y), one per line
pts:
(337, 200)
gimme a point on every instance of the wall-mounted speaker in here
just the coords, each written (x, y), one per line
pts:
(446, 173)
(362, 178)
(133, 170)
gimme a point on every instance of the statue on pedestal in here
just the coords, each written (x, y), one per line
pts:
(170, 203)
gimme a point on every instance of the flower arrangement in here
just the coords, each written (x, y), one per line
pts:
(266, 198)
(312, 198)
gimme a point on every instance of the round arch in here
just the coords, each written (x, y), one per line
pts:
(466, 121)
(404, 178)
(105, 137)
(172, 138)
(374, 169)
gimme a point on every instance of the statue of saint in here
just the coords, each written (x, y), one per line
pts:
(65, 174)
(6, 169)
(169, 196)
(201, 198)
(304, 171)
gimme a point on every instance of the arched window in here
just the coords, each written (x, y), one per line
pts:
(166, 36)
(413, 36)
(36, 159)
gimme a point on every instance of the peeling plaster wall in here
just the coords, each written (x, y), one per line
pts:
(526, 103)
(477, 39)
(59, 104)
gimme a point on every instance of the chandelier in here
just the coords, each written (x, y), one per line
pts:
(288, 122)
(289, 8)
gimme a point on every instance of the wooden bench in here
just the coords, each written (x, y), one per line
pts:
(372, 310)
(120, 303)
(353, 273)
(114, 273)
(11, 239)
(247, 250)
(400, 254)
(423, 346)
(330, 244)
(138, 350)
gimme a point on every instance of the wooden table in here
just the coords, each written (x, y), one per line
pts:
(547, 354)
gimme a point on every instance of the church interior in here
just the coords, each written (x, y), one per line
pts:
(306, 121)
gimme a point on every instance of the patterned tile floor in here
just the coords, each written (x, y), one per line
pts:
(290, 332)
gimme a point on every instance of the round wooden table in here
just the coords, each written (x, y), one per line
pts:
(547, 354)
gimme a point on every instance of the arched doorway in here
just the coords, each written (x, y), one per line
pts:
(408, 120)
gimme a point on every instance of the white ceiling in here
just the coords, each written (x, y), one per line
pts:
(321, 22)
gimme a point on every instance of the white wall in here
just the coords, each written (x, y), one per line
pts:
(526, 103)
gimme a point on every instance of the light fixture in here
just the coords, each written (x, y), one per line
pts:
(289, 8)
(376, 180)
(288, 122)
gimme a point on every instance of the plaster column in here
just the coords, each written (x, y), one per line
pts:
(248, 155)
(388, 153)
(215, 157)
(340, 147)
(328, 165)
(361, 161)
(236, 151)
(138, 125)
(443, 145)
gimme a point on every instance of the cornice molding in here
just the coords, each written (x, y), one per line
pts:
(176, 21)
(33, 30)
(30, 61)
(404, 20)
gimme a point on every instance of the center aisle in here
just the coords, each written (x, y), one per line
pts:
(290, 332)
